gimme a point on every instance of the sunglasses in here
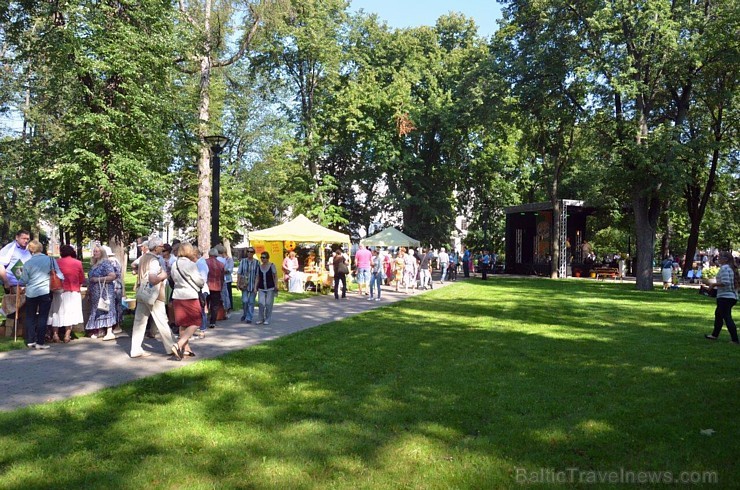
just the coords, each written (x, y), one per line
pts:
(264, 257)
(250, 251)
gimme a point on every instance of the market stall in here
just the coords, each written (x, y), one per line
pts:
(299, 230)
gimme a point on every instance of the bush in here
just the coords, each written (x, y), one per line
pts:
(710, 272)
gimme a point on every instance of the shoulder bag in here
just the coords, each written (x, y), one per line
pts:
(201, 296)
(55, 284)
(104, 300)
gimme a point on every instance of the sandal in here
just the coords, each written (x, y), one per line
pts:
(67, 338)
(55, 339)
(176, 352)
(710, 337)
(188, 353)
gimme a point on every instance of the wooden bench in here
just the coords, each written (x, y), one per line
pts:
(602, 272)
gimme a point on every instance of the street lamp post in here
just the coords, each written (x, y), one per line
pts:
(217, 143)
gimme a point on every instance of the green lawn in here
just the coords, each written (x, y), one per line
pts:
(472, 386)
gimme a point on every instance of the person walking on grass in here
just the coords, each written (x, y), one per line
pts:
(266, 287)
(728, 281)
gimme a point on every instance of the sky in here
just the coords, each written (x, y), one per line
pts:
(413, 13)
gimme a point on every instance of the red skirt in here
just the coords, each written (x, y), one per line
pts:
(187, 312)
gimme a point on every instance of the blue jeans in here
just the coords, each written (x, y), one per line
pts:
(248, 299)
(375, 281)
(444, 267)
(267, 298)
(37, 313)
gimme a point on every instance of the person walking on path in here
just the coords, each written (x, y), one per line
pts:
(425, 269)
(377, 275)
(728, 281)
(186, 299)
(247, 280)
(266, 286)
(444, 263)
(363, 257)
(339, 264)
(216, 274)
(466, 262)
(152, 271)
(35, 276)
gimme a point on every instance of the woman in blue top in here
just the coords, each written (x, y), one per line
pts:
(727, 283)
(35, 276)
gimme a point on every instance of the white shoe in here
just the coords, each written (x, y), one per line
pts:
(41, 346)
(31, 345)
(370, 298)
(377, 299)
(141, 354)
(109, 336)
(93, 336)
(266, 323)
(259, 322)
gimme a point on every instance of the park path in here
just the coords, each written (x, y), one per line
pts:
(85, 365)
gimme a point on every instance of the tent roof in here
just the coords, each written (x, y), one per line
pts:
(300, 230)
(390, 237)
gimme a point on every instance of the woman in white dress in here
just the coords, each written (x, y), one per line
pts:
(66, 306)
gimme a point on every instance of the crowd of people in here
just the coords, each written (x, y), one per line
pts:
(192, 292)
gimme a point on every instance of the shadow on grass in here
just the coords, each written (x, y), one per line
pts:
(455, 389)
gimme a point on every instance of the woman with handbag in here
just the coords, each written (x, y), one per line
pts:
(66, 305)
(186, 298)
(36, 277)
(100, 295)
(341, 269)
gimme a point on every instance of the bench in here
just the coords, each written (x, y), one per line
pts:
(602, 272)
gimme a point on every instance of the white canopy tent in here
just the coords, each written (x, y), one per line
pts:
(390, 237)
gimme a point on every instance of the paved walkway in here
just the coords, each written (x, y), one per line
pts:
(84, 366)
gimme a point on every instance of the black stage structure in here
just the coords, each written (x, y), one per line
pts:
(529, 236)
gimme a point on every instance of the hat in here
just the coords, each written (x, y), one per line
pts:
(155, 241)
(107, 250)
(144, 244)
(213, 252)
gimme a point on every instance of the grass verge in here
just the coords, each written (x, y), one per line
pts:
(477, 385)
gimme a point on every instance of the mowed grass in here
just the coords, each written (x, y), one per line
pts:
(470, 386)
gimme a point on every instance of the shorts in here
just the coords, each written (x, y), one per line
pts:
(363, 276)
(187, 312)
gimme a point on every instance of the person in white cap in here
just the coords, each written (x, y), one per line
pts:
(151, 270)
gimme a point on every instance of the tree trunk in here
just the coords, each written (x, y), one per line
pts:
(555, 237)
(646, 211)
(204, 165)
(665, 242)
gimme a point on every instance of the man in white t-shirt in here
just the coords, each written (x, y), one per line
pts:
(154, 273)
(444, 263)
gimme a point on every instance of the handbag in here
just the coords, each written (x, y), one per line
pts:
(55, 284)
(147, 294)
(241, 282)
(104, 300)
(342, 268)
